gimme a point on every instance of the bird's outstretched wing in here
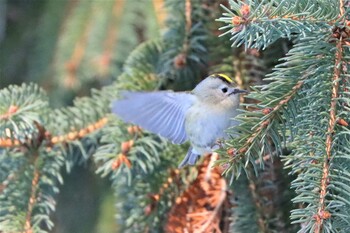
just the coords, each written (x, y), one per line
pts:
(161, 112)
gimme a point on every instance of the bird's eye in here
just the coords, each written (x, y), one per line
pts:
(224, 90)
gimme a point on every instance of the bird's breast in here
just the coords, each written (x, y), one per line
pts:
(205, 124)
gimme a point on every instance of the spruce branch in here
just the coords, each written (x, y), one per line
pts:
(67, 131)
(258, 25)
(33, 195)
(20, 108)
(152, 193)
(24, 129)
(318, 149)
(77, 133)
(322, 213)
(291, 111)
(271, 113)
(260, 129)
(267, 208)
(26, 199)
(52, 140)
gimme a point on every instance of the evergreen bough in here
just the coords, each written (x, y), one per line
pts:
(298, 113)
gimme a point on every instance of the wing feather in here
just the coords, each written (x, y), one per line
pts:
(161, 112)
(177, 133)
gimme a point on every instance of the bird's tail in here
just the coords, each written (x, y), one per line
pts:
(190, 158)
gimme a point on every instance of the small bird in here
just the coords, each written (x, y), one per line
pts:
(200, 116)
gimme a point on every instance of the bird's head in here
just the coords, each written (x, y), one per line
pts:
(218, 89)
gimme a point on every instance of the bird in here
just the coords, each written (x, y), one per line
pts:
(201, 116)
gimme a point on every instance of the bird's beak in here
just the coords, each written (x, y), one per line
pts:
(239, 91)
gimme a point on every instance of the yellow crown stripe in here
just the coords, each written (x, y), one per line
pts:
(227, 78)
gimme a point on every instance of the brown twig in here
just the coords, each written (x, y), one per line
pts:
(188, 12)
(78, 134)
(320, 216)
(33, 196)
(341, 8)
(71, 136)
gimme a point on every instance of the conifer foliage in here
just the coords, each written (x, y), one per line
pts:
(303, 108)
(286, 167)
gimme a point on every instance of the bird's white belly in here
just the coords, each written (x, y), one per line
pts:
(205, 126)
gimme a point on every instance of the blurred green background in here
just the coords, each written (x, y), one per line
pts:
(69, 47)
